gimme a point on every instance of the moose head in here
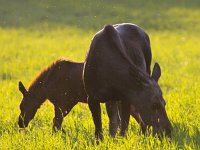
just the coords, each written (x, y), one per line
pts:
(27, 106)
(150, 102)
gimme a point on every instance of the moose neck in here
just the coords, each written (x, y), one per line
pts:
(37, 90)
(134, 97)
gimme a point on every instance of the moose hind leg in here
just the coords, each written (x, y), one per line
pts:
(96, 115)
(113, 115)
(125, 116)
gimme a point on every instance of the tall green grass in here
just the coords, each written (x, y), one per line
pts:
(33, 34)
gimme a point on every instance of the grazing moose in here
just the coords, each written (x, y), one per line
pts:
(115, 69)
(62, 84)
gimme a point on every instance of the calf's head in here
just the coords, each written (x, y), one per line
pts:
(27, 107)
(150, 102)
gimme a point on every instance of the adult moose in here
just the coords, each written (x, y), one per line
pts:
(62, 84)
(115, 69)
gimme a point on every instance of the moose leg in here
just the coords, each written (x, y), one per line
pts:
(96, 115)
(69, 107)
(114, 118)
(139, 121)
(58, 119)
(138, 118)
(125, 116)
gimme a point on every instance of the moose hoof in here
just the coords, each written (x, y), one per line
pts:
(63, 131)
(98, 137)
(55, 129)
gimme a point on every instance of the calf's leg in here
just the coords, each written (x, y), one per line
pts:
(58, 119)
(61, 112)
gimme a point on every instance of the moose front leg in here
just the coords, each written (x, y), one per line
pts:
(96, 115)
(138, 118)
(58, 119)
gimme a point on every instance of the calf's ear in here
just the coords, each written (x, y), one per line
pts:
(22, 89)
(156, 72)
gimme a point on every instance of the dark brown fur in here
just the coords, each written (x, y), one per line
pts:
(116, 68)
(62, 84)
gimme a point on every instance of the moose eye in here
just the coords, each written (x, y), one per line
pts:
(156, 106)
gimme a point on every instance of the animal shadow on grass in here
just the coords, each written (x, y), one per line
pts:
(182, 135)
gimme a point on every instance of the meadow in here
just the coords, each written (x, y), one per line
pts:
(33, 34)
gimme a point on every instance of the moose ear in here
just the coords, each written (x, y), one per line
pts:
(156, 72)
(22, 89)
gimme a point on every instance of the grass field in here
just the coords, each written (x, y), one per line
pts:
(33, 34)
